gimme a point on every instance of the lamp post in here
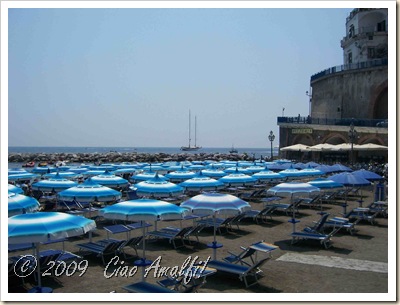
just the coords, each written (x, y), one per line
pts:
(271, 138)
(310, 98)
(353, 135)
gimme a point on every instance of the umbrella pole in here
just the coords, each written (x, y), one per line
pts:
(294, 214)
(38, 266)
(215, 238)
(144, 249)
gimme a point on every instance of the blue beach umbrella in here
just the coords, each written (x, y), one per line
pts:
(341, 168)
(78, 169)
(180, 175)
(325, 168)
(310, 171)
(371, 176)
(143, 210)
(55, 184)
(12, 171)
(292, 188)
(202, 183)
(324, 183)
(235, 170)
(110, 180)
(21, 204)
(158, 188)
(103, 167)
(45, 227)
(215, 204)
(15, 189)
(213, 172)
(144, 176)
(89, 191)
(268, 175)
(127, 170)
(58, 174)
(255, 168)
(350, 180)
(291, 173)
(43, 170)
(22, 176)
(238, 179)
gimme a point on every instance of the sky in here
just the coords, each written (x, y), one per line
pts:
(129, 76)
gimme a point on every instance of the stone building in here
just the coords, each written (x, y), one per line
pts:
(355, 93)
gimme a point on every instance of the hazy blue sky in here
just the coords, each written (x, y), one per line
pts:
(128, 77)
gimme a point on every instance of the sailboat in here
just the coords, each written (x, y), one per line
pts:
(195, 147)
(233, 150)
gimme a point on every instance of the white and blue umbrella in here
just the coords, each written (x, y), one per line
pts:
(180, 175)
(146, 176)
(110, 180)
(216, 204)
(45, 227)
(268, 175)
(15, 189)
(126, 170)
(78, 169)
(255, 168)
(291, 188)
(55, 184)
(22, 176)
(213, 172)
(143, 210)
(279, 166)
(158, 188)
(369, 175)
(61, 174)
(89, 191)
(21, 204)
(235, 170)
(43, 170)
(324, 183)
(12, 171)
(291, 173)
(202, 183)
(102, 167)
(310, 171)
(238, 179)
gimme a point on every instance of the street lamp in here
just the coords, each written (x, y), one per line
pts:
(271, 138)
(353, 135)
(310, 98)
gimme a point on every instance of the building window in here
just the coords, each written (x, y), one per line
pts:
(350, 58)
(381, 26)
(371, 52)
(351, 31)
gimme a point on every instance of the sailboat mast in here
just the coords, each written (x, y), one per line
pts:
(189, 128)
(195, 131)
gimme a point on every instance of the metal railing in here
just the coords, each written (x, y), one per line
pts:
(354, 66)
(383, 123)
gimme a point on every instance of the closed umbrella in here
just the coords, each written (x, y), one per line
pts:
(216, 204)
(45, 227)
(143, 210)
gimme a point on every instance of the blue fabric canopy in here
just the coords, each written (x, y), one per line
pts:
(349, 179)
(371, 176)
(56, 184)
(21, 204)
(158, 188)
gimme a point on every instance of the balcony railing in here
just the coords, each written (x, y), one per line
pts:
(383, 123)
(348, 67)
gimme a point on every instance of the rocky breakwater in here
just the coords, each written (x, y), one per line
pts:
(116, 157)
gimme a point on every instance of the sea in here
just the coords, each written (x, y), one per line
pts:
(255, 153)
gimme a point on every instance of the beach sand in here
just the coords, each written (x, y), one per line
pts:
(368, 245)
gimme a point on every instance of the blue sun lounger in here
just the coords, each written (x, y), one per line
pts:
(144, 287)
(324, 239)
(242, 271)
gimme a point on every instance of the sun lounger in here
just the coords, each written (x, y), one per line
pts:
(324, 239)
(100, 249)
(243, 272)
(220, 222)
(145, 287)
(250, 252)
(260, 214)
(287, 207)
(362, 214)
(171, 235)
(131, 243)
(338, 223)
